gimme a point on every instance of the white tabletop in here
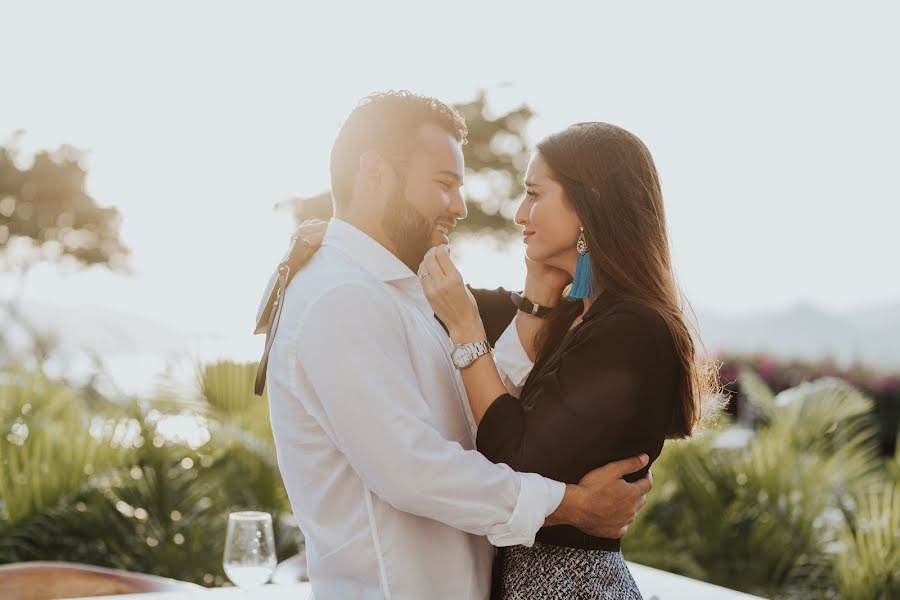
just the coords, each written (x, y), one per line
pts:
(654, 585)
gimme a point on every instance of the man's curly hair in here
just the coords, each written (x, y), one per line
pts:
(387, 122)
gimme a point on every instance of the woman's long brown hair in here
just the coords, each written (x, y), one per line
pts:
(611, 181)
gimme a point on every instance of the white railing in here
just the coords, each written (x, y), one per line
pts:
(660, 585)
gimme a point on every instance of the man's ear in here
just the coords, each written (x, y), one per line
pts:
(372, 170)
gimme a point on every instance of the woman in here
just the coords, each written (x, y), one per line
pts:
(614, 373)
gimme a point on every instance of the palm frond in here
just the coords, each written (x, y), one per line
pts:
(868, 567)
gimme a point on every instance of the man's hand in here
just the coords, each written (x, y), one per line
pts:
(603, 504)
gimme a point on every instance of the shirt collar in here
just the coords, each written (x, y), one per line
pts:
(365, 251)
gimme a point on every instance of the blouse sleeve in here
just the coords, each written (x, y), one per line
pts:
(582, 408)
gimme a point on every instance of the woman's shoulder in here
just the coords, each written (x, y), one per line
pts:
(613, 307)
(622, 316)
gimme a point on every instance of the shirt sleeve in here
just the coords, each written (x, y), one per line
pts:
(512, 361)
(498, 314)
(352, 350)
(582, 408)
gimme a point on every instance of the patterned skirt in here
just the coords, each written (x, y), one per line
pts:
(546, 572)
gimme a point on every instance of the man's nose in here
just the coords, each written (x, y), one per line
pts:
(458, 206)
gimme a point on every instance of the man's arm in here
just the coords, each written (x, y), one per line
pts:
(603, 504)
(352, 351)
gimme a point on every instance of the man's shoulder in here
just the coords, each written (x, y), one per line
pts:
(331, 275)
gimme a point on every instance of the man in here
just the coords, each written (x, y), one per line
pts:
(374, 436)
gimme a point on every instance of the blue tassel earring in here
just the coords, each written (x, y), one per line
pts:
(582, 284)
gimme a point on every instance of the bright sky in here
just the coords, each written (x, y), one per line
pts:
(774, 126)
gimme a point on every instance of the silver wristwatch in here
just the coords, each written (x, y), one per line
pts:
(465, 354)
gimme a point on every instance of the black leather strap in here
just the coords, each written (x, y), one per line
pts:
(529, 307)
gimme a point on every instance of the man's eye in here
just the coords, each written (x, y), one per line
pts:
(445, 185)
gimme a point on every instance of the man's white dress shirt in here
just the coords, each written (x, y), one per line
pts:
(375, 437)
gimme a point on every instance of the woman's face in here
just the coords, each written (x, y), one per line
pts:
(551, 227)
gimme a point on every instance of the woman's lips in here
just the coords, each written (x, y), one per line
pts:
(526, 235)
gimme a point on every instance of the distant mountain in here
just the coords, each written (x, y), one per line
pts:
(136, 354)
(103, 331)
(870, 336)
(135, 349)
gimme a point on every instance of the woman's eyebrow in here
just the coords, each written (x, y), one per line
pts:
(531, 184)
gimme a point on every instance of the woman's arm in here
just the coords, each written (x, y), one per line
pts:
(455, 306)
(544, 286)
(585, 408)
(483, 383)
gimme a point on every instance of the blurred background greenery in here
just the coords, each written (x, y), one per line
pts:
(798, 501)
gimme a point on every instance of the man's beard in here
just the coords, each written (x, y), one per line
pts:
(408, 231)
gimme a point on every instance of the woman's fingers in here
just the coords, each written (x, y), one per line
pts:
(442, 256)
(313, 231)
(433, 281)
(438, 258)
(428, 284)
(440, 279)
(431, 263)
(312, 224)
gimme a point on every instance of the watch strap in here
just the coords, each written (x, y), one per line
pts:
(529, 307)
(477, 349)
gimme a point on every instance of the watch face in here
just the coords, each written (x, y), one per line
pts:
(462, 357)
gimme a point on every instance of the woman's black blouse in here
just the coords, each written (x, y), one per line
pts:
(605, 393)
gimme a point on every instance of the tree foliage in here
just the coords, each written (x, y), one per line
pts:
(46, 204)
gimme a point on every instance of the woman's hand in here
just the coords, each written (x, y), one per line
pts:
(313, 232)
(449, 297)
(544, 284)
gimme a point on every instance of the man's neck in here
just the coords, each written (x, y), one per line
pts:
(373, 230)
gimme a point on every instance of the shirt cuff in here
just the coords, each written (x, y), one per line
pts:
(538, 498)
(511, 359)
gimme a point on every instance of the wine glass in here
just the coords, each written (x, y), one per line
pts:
(249, 549)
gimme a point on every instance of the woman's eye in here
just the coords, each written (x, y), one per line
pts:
(444, 185)
(530, 194)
